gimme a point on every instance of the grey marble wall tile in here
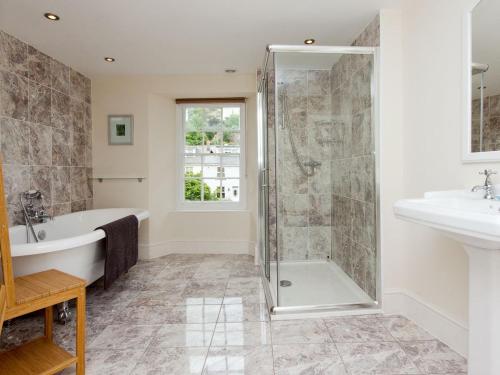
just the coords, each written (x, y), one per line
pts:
(294, 80)
(319, 105)
(77, 85)
(494, 105)
(35, 87)
(361, 90)
(318, 83)
(61, 188)
(341, 179)
(40, 179)
(16, 180)
(78, 183)
(77, 206)
(87, 117)
(341, 214)
(90, 185)
(60, 111)
(13, 96)
(61, 150)
(363, 178)
(294, 243)
(88, 156)
(321, 181)
(78, 155)
(13, 54)
(61, 209)
(295, 210)
(363, 223)
(363, 268)
(320, 242)
(38, 66)
(294, 181)
(89, 204)
(39, 104)
(362, 137)
(341, 137)
(77, 115)
(59, 76)
(40, 145)
(320, 210)
(320, 141)
(14, 141)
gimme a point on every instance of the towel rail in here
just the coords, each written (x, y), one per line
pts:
(101, 179)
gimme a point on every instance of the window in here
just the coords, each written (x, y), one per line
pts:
(211, 154)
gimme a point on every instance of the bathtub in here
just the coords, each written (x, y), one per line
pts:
(71, 244)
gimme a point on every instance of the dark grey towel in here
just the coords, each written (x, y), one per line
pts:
(122, 247)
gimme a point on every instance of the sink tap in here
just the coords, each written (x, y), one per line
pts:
(488, 187)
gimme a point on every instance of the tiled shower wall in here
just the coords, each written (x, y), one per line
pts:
(491, 127)
(45, 129)
(304, 202)
(353, 165)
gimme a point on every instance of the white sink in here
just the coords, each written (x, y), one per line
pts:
(475, 223)
(462, 215)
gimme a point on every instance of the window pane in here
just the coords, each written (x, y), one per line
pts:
(230, 161)
(192, 171)
(212, 143)
(194, 138)
(213, 119)
(212, 189)
(194, 119)
(231, 138)
(231, 172)
(231, 190)
(231, 118)
(192, 190)
(211, 159)
(192, 160)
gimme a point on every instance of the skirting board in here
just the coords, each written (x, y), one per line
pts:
(151, 251)
(448, 330)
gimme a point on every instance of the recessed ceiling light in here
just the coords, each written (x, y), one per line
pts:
(52, 16)
(109, 59)
(230, 71)
(309, 41)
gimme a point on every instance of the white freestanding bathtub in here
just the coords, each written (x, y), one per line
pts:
(71, 244)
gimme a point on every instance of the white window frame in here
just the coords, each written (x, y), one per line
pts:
(184, 205)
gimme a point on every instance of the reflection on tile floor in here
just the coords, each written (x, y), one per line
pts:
(205, 314)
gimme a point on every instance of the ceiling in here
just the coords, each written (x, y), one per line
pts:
(183, 36)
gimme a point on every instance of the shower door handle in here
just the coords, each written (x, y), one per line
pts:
(263, 179)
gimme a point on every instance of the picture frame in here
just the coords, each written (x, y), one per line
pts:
(120, 130)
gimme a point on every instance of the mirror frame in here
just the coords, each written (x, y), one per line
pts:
(467, 155)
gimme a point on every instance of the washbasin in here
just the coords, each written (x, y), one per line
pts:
(475, 223)
(462, 215)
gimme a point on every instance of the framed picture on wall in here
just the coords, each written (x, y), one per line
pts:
(121, 129)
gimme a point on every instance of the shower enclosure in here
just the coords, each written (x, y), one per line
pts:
(318, 191)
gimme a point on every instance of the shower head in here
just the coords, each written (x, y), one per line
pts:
(478, 68)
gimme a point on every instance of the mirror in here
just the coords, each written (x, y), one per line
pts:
(484, 78)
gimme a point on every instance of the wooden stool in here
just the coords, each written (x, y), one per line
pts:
(25, 294)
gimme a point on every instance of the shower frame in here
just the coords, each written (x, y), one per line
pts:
(263, 180)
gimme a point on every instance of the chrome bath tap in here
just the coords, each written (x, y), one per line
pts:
(488, 187)
(33, 211)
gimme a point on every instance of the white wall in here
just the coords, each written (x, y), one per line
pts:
(151, 99)
(420, 262)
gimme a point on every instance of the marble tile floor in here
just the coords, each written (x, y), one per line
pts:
(206, 314)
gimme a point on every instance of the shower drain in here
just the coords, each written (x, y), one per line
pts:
(285, 283)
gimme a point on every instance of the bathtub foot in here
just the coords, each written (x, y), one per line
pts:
(64, 313)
